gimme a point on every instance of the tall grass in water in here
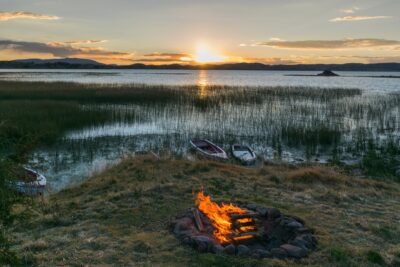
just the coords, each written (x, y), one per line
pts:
(315, 120)
(141, 93)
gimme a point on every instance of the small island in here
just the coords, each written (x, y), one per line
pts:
(327, 73)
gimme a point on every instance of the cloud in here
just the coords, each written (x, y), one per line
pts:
(276, 39)
(333, 44)
(57, 49)
(165, 57)
(169, 55)
(351, 10)
(358, 18)
(272, 60)
(79, 42)
(360, 59)
(4, 16)
(76, 49)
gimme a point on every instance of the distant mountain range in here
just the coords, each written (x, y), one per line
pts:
(77, 63)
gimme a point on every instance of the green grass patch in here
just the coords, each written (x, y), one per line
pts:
(375, 257)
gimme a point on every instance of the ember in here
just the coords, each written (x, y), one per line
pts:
(231, 223)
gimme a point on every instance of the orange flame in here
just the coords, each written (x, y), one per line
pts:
(221, 220)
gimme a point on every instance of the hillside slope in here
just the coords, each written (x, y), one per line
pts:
(121, 217)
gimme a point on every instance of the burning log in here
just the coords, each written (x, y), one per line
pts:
(239, 225)
(246, 215)
(245, 234)
(197, 219)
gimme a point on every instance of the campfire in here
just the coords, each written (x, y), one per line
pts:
(242, 229)
(231, 223)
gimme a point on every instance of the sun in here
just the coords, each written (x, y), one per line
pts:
(204, 55)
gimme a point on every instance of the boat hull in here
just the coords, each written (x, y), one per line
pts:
(35, 186)
(209, 149)
(244, 154)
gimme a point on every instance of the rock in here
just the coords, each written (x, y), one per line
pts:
(187, 240)
(218, 249)
(294, 224)
(261, 253)
(203, 243)
(303, 230)
(182, 225)
(262, 211)
(279, 253)
(299, 243)
(243, 250)
(300, 220)
(251, 206)
(230, 249)
(307, 240)
(294, 251)
(273, 214)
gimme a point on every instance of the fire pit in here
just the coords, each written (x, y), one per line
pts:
(243, 229)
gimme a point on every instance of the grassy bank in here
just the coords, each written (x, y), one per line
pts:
(121, 217)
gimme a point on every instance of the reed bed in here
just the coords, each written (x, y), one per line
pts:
(339, 122)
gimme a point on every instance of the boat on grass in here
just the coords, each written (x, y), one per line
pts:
(29, 182)
(209, 149)
(244, 154)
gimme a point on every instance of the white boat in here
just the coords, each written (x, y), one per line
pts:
(30, 182)
(244, 153)
(209, 149)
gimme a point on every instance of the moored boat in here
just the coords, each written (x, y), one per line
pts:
(244, 153)
(29, 182)
(209, 149)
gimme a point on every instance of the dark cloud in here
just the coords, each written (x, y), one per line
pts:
(57, 49)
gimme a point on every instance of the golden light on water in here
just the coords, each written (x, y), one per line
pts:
(205, 55)
(202, 83)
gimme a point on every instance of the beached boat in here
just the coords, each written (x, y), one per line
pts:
(209, 149)
(244, 153)
(29, 182)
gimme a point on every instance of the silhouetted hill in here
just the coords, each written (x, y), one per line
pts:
(77, 63)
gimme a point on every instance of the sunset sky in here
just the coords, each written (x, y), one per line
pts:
(203, 31)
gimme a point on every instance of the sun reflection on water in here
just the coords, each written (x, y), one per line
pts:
(202, 82)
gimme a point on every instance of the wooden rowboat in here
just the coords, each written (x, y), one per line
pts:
(29, 182)
(209, 149)
(244, 154)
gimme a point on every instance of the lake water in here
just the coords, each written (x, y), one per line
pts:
(214, 77)
(286, 126)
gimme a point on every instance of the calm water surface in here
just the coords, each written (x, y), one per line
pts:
(218, 77)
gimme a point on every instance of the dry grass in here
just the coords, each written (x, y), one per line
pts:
(121, 217)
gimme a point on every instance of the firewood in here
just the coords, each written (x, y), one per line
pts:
(237, 225)
(254, 234)
(243, 216)
(197, 219)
